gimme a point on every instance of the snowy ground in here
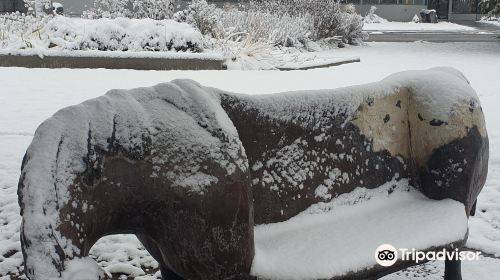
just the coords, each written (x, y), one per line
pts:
(492, 22)
(28, 96)
(276, 259)
(412, 26)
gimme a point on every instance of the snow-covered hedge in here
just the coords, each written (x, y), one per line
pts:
(275, 29)
(329, 18)
(153, 9)
(257, 25)
(490, 7)
(120, 34)
(278, 22)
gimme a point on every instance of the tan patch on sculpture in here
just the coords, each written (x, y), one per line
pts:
(426, 137)
(403, 126)
(385, 121)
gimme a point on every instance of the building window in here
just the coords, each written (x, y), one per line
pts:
(464, 6)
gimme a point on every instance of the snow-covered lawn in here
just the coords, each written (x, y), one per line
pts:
(276, 259)
(29, 96)
(412, 26)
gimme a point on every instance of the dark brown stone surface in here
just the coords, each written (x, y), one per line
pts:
(457, 170)
(265, 138)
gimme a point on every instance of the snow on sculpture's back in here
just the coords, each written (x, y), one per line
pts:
(189, 169)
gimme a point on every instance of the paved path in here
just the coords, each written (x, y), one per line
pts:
(484, 33)
(399, 36)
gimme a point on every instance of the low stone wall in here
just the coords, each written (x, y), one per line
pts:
(136, 63)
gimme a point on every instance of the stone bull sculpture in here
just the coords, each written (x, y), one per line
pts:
(191, 169)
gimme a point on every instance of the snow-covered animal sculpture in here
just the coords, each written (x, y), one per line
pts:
(202, 177)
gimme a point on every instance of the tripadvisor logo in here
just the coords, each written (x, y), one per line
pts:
(387, 255)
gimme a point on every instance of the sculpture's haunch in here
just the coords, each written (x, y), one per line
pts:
(164, 163)
(183, 166)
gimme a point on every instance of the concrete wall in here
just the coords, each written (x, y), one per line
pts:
(392, 12)
(109, 63)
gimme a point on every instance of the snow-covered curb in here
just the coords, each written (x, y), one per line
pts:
(317, 63)
(113, 54)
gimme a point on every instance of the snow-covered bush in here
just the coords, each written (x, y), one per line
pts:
(490, 7)
(41, 7)
(121, 34)
(254, 25)
(371, 17)
(329, 18)
(275, 29)
(246, 54)
(492, 10)
(206, 17)
(20, 31)
(153, 9)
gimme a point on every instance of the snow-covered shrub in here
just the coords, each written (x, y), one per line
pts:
(153, 9)
(206, 17)
(253, 24)
(371, 17)
(121, 34)
(490, 7)
(492, 10)
(329, 18)
(246, 54)
(41, 7)
(282, 30)
(20, 31)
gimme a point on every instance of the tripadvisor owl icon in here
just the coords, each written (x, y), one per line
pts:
(386, 255)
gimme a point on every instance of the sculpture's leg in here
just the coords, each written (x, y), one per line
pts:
(57, 234)
(452, 270)
(53, 252)
(167, 274)
(473, 209)
(206, 236)
(154, 250)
